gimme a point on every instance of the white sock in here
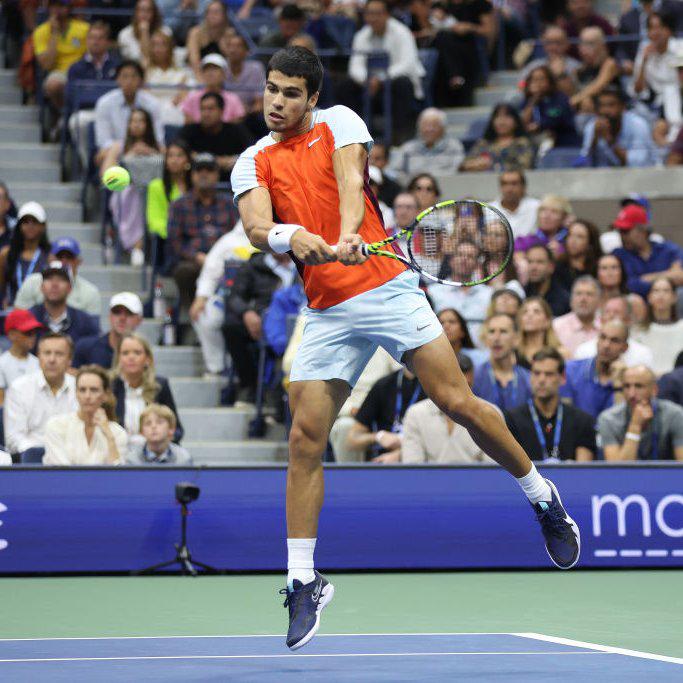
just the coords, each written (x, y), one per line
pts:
(300, 560)
(535, 486)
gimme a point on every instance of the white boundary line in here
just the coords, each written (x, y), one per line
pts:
(297, 656)
(600, 648)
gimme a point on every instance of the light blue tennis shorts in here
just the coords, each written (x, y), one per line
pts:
(339, 341)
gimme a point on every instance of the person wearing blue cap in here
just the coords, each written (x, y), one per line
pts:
(84, 294)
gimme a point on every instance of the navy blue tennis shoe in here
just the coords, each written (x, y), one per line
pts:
(562, 536)
(305, 603)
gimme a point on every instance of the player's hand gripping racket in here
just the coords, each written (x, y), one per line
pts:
(460, 243)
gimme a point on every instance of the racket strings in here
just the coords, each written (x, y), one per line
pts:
(462, 242)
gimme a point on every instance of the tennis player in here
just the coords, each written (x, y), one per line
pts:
(299, 190)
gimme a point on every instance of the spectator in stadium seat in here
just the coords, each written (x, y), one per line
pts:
(195, 223)
(389, 189)
(404, 210)
(291, 22)
(500, 380)
(136, 385)
(671, 386)
(21, 327)
(404, 72)
(54, 313)
(645, 260)
(616, 137)
(557, 58)
(504, 146)
(535, 322)
(662, 332)
(27, 252)
(542, 281)
(57, 44)
(634, 23)
(431, 436)
(619, 308)
(207, 311)
(246, 77)
(133, 40)
(113, 110)
(378, 425)
(643, 427)
(471, 302)
(433, 150)
(213, 69)
(425, 189)
(84, 294)
(611, 277)
(89, 436)
(225, 141)
(125, 316)
(513, 202)
(580, 16)
(505, 300)
(554, 212)
(176, 180)
(593, 382)
(582, 323)
(458, 334)
(582, 251)
(157, 427)
(33, 399)
(656, 79)
(546, 427)
(209, 35)
(99, 63)
(546, 112)
(247, 301)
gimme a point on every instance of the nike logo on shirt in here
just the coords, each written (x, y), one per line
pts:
(312, 142)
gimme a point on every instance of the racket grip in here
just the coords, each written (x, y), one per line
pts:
(363, 248)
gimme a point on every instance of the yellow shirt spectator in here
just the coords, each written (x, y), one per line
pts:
(70, 44)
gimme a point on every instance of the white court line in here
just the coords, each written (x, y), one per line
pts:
(608, 649)
(297, 656)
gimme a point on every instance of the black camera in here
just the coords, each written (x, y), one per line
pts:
(185, 492)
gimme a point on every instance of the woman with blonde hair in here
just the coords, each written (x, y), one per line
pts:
(209, 36)
(554, 214)
(136, 385)
(90, 436)
(535, 321)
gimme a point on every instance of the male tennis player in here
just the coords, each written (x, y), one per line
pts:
(301, 189)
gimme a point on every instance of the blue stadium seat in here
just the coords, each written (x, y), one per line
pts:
(559, 157)
(429, 59)
(340, 29)
(474, 132)
(171, 133)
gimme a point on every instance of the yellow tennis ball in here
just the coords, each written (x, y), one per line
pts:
(116, 178)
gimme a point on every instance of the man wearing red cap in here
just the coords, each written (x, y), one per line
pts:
(643, 259)
(21, 327)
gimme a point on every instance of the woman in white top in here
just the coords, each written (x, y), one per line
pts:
(663, 331)
(134, 39)
(209, 36)
(90, 436)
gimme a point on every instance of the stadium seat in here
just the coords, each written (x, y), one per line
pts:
(559, 157)
(340, 29)
(171, 133)
(429, 59)
(474, 132)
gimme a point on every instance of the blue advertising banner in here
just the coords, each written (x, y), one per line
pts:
(100, 520)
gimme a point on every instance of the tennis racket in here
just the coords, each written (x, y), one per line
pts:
(460, 243)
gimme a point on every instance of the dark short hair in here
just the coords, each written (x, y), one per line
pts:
(412, 186)
(511, 318)
(548, 353)
(298, 62)
(545, 248)
(612, 91)
(381, 2)
(130, 64)
(667, 20)
(58, 335)
(216, 97)
(100, 25)
(292, 12)
(517, 171)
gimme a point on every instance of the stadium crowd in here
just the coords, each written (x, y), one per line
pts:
(578, 343)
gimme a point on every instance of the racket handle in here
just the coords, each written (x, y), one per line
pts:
(363, 248)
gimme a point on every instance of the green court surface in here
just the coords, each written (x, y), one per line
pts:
(639, 610)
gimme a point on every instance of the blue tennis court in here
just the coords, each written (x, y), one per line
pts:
(513, 657)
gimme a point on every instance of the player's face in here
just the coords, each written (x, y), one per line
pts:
(546, 379)
(286, 102)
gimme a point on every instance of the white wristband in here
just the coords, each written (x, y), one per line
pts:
(378, 437)
(280, 236)
(632, 436)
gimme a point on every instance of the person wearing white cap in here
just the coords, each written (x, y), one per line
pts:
(28, 251)
(213, 70)
(125, 316)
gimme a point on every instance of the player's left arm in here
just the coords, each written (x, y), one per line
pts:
(349, 169)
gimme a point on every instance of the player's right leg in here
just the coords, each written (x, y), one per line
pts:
(315, 405)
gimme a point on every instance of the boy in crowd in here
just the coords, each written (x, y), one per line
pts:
(157, 426)
(21, 327)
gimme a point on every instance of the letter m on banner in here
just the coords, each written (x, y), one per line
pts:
(620, 507)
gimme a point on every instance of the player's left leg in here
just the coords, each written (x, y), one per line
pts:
(442, 380)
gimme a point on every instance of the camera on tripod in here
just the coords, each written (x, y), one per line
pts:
(186, 493)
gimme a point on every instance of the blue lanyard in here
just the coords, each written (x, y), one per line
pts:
(555, 453)
(501, 392)
(397, 427)
(29, 270)
(559, 237)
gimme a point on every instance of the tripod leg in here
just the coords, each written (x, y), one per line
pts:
(206, 567)
(156, 567)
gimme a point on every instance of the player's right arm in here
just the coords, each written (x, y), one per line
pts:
(256, 211)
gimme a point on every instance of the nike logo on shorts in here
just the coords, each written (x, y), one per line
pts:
(312, 142)
(424, 327)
